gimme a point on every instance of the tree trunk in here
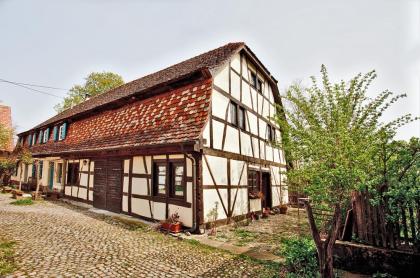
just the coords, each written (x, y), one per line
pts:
(325, 247)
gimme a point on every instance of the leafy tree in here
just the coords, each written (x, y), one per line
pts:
(96, 83)
(333, 133)
(23, 157)
(5, 136)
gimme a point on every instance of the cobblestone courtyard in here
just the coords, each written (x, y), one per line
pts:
(55, 239)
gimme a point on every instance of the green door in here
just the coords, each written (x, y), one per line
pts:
(51, 176)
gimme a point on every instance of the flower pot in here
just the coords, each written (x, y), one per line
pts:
(283, 209)
(173, 228)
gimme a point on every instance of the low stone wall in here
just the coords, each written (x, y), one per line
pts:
(368, 260)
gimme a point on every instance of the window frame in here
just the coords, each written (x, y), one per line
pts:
(172, 166)
(74, 177)
(45, 136)
(155, 179)
(242, 110)
(61, 131)
(254, 186)
(269, 133)
(233, 113)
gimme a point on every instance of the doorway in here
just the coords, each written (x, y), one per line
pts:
(266, 190)
(107, 186)
(51, 176)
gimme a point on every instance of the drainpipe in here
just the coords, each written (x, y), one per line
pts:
(194, 188)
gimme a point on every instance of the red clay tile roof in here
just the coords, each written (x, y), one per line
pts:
(211, 60)
(173, 117)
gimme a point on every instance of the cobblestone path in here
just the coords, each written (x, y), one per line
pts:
(55, 239)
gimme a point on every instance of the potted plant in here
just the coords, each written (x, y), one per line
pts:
(283, 209)
(172, 224)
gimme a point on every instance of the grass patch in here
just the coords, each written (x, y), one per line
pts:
(271, 269)
(23, 202)
(7, 264)
(244, 236)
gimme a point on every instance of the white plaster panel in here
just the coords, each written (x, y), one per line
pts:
(236, 62)
(218, 166)
(254, 95)
(269, 152)
(275, 196)
(276, 155)
(210, 197)
(189, 192)
(90, 195)
(149, 164)
(241, 203)
(159, 157)
(126, 166)
(232, 140)
(189, 167)
(244, 68)
(256, 147)
(254, 204)
(262, 149)
(159, 210)
(253, 123)
(83, 179)
(246, 95)
(185, 214)
(263, 128)
(67, 190)
(125, 203)
(206, 135)
(141, 207)
(138, 165)
(217, 134)
(139, 186)
(235, 83)
(237, 168)
(74, 191)
(125, 184)
(176, 156)
(246, 147)
(266, 109)
(222, 79)
(91, 180)
(82, 193)
(260, 104)
(219, 104)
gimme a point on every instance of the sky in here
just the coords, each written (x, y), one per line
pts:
(58, 43)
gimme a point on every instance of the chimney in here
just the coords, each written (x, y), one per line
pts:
(6, 120)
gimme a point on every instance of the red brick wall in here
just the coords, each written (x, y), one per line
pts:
(6, 120)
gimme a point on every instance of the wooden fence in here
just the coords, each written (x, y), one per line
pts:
(372, 225)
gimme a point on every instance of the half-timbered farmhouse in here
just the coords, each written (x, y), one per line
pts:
(189, 138)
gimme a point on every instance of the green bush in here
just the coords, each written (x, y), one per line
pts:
(300, 257)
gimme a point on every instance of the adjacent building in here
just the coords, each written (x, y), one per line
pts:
(193, 137)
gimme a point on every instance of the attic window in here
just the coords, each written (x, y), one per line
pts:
(271, 133)
(256, 82)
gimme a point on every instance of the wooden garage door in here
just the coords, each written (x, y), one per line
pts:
(107, 184)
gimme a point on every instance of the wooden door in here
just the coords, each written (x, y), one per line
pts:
(114, 181)
(266, 189)
(51, 175)
(99, 185)
(108, 184)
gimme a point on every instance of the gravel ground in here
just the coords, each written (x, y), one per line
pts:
(55, 239)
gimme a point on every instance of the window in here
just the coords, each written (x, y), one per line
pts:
(271, 133)
(33, 139)
(46, 135)
(41, 167)
(253, 182)
(169, 179)
(159, 180)
(233, 113)
(259, 85)
(62, 131)
(73, 173)
(40, 137)
(253, 80)
(59, 176)
(33, 170)
(241, 118)
(177, 180)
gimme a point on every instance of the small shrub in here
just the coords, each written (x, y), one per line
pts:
(23, 202)
(300, 257)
